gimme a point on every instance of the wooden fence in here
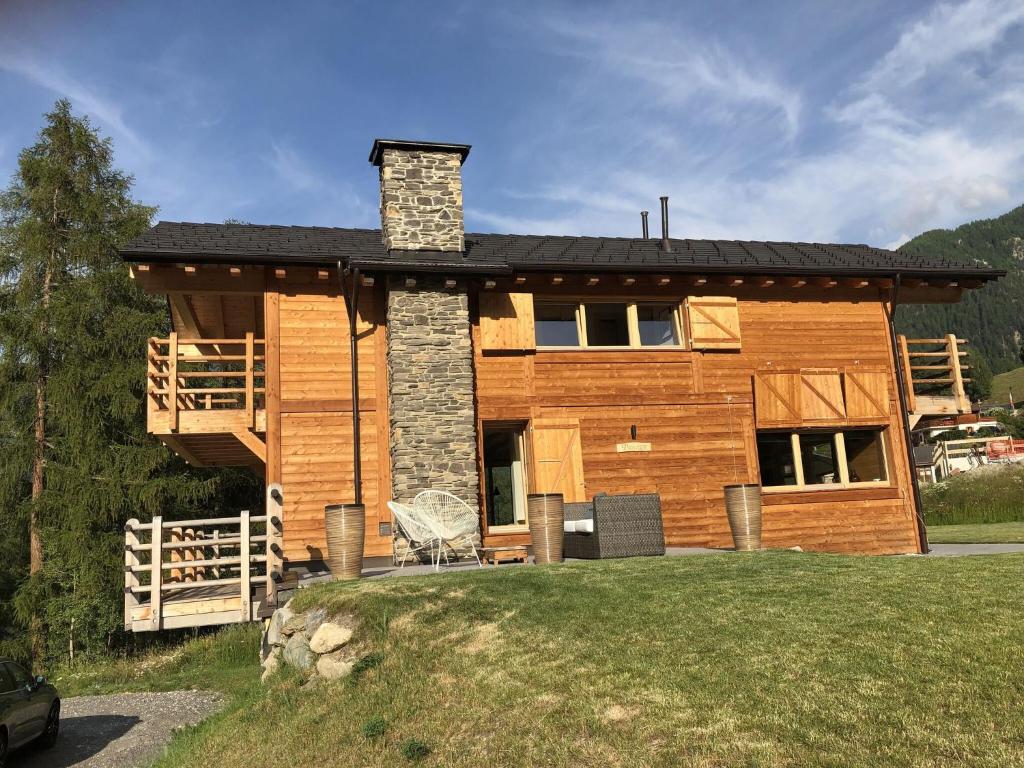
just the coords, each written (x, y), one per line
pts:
(933, 370)
(188, 573)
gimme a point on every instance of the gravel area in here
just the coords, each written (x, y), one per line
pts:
(123, 729)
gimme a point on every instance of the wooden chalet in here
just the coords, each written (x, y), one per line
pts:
(497, 365)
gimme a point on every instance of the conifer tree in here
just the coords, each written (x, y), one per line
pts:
(75, 459)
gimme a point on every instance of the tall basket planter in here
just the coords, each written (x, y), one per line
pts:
(546, 515)
(743, 505)
(346, 527)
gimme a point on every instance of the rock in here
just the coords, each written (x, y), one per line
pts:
(330, 637)
(333, 666)
(297, 653)
(313, 621)
(271, 665)
(277, 622)
(297, 623)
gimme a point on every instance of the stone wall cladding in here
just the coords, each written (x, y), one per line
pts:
(431, 391)
(421, 200)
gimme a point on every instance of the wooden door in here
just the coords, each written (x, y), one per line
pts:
(557, 458)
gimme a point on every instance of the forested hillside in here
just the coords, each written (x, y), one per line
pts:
(990, 318)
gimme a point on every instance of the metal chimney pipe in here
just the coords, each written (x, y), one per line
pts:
(643, 219)
(665, 244)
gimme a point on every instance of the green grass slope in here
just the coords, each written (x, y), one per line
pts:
(768, 659)
(1004, 383)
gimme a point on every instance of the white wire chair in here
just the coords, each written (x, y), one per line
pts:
(418, 533)
(450, 517)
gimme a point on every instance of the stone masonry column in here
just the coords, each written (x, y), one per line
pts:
(431, 390)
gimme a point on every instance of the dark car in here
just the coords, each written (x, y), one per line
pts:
(29, 710)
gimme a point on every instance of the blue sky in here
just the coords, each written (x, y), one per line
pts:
(821, 120)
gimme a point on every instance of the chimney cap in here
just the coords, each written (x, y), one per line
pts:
(379, 145)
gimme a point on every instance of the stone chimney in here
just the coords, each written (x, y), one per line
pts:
(420, 194)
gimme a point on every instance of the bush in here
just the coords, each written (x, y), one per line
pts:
(991, 494)
(375, 728)
(414, 750)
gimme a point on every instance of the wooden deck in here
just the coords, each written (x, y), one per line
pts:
(934, 375)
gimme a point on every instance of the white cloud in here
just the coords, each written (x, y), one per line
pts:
(82, 97)
(950, 32)
(323, 199)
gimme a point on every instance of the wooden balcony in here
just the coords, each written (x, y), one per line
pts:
(207, 398)
(934, 375)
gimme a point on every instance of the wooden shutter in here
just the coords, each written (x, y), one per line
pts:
(777, 399)
(714, 322)
(867, 395)
(506, 320)
(821, 397)
(557, 458)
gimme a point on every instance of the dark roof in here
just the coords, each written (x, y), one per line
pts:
(499, 254)
(925, 454)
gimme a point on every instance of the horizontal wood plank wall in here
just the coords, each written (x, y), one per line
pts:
(697, 411)
(316, 413)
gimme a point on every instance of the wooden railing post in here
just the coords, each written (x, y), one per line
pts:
(908, 374)
(245, 547)
(156, 572)
(250, 382)
(963, 403)
(275, 541)
(172, 380)
(131, 579)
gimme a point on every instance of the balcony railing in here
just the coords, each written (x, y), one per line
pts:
(933, 371)
(188, 375)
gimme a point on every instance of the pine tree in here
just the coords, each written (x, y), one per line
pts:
(75, 459)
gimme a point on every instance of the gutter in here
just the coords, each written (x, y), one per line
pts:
(922, 531)
(352, 305)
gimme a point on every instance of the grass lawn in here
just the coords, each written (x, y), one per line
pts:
(771, 659)
(1002, 383)
(984, 533)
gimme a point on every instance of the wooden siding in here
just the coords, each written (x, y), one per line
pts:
(697, 411)
(315, 411)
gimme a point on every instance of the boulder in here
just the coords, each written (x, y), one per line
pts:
(296, 623)
(297, 652)
(333, 666)
(277, 622)
(271, 665)
(329, 637)
(313, 621)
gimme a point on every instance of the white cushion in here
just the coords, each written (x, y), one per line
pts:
(578, 526)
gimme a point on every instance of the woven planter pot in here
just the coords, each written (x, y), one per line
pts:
(546, 514)
(346, 526)
(743, 505)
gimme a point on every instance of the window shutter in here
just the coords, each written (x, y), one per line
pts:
(557, 458)
(777, 399)
(506, 320)
(821, 397)
(714, 322)
(867, 395)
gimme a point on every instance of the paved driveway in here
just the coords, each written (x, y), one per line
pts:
(123, 730)
(956, 550)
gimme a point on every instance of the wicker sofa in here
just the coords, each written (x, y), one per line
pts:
(614, 526)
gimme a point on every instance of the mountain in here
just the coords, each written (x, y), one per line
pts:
(991, 318)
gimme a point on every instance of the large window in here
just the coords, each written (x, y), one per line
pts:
(608, 324)
(504, 477)
(822, 459)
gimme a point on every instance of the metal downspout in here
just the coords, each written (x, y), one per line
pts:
(352, 306)
(922, 532)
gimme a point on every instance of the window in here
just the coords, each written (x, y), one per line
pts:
(656, 324)
(22, 679)
(608, 324)
(6, 681)
(555, 325)
(504, 478)
(820, 459)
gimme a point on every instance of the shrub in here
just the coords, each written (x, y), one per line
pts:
(414, 750)
(375, 728)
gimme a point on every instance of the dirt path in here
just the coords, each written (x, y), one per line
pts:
(125, 730)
